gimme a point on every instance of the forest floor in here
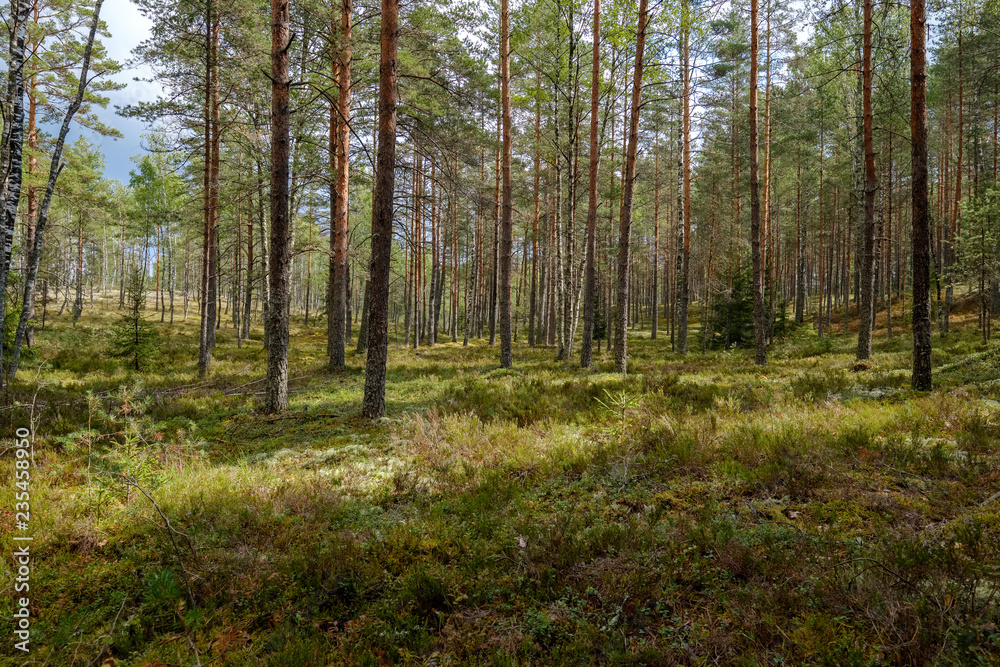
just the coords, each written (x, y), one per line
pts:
(700, 510)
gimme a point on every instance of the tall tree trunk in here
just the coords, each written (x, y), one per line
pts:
(684, 291)
(432, 291)
(214, 305)
(532, 308)
(759, 322)
(655, 296)
(373, 405)
(276, 388)
(889, 239)
(507, 205)
(590, 279)
(455, 286)
(248, 295)
(866, 307)
(495, 273)
(921, 377)
(625, 225)
(768, 249)
(952, 228)
(265, 263)
(338, 280)
(471, 291)
(418, 247)
(800, 260)
(348, 296)
(334, 283)
(207, 315)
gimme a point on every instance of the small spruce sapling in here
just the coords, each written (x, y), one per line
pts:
(133, 338)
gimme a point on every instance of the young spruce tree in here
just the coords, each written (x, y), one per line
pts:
(133, 338)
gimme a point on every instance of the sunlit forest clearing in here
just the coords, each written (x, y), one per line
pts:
(698, 510)
(549, 332)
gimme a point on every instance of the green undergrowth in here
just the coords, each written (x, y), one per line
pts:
(699, 510)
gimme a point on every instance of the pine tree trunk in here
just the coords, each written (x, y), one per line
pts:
(800, 260)
(340, 324)
(866, 306)
(334, 277)
(760, 325)
(204, 344)
(590, 279)
(276, 388)
(373, 405)
(684, 291)
(507, 203)
(455, 286)
(888, 250)
(248, 294)
(921, 377)
(625, 225)
(533, 311)
(348, 321)
(495, 273)
(265, 263)
(430, 333)
(470, 286)
(655, 296)
(214, 305)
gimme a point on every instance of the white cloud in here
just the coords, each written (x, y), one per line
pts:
(128, 28)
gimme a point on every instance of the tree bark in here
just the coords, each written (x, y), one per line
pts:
(214, 305)
(800, 260)
(276, 388)
(866, 307)
(495, 273)
(338, 280)
(532, 308)
(625, 225)
(507, 204)
(204, 337)
(654, 299)
(248, 295)
(684, 291)
(760, 325)
(373, 405)
(921, 377)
